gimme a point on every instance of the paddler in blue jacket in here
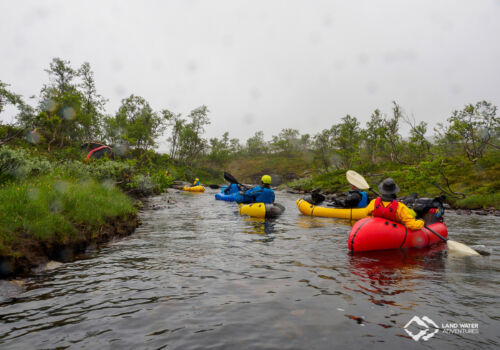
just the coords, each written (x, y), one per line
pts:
(232, 188)
(355, 199)
(258, 194)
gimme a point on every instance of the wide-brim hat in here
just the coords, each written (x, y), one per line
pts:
(388, 187)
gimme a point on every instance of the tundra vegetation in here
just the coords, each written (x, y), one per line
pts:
(43, 173)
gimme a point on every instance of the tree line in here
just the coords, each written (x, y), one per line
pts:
(70, 112)
(469, 132)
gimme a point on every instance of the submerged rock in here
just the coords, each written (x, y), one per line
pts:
(18, 283)
(482, 249)
(52, 265)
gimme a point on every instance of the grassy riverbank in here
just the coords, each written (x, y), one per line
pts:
(41, 216)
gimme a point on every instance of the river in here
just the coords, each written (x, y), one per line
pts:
(197, 275)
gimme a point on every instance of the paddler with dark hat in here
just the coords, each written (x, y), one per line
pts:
(386, 206)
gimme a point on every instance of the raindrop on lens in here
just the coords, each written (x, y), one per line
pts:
(86, 183)
(33, 137)
(276, 180)
(108, 184)
(68, 113)
(49, 105)
(55, 206)
(33, 194)
(248, 118)
(20, 172)
(120, 149)
(61, 186)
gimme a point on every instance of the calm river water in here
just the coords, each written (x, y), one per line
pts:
(196, 275)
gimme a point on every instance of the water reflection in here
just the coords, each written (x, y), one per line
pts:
(196, 274)
(382, 275)
(307, 222)
(260, 226)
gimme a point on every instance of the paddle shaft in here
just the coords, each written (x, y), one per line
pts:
(437, 234)
(232, 179)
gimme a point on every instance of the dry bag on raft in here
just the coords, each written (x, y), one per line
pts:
(429, 209)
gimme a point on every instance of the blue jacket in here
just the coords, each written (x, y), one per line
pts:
(233, 188)
(364, 200)
(257, 194)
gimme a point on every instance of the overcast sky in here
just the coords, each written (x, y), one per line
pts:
(264, 65)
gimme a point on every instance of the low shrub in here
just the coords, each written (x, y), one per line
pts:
(17, 164)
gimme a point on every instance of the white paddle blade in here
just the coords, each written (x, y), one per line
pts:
(457, 248)
(356, 180)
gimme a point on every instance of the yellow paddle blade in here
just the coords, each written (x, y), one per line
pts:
(356, 180)
(457, 248)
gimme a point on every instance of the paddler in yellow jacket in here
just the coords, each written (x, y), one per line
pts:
(388, 208)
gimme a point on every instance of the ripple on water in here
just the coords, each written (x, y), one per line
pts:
(197, 275)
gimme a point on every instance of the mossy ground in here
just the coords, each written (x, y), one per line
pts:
(47, 213)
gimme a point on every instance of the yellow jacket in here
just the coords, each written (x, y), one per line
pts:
(402, 213)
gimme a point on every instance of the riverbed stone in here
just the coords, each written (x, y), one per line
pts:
(52, 265)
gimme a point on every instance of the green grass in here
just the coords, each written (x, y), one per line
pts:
(333, 181)
(51, 209)
(480, 183)
(250, 169)
(478, 201)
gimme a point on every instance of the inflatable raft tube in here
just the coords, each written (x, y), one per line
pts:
(226, 197)
(307, 208)
(194, 188)
(261, 210)
(380, 234)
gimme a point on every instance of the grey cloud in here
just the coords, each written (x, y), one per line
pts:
(264, 65)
